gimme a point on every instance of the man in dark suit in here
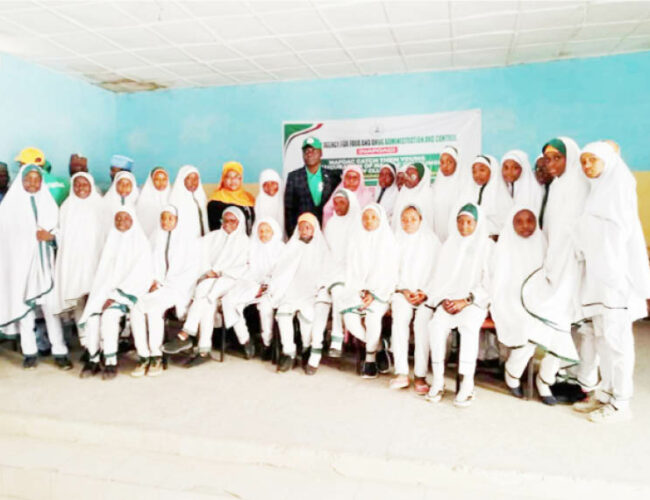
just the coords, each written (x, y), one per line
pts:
(309, 187)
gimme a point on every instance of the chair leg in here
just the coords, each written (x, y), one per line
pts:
(222, 345)
(456, 341)
(530, 375)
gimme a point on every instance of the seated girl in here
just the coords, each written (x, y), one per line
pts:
(123, 275)
(459, 294)
(418, 250)
(175, 271)
(153, 197)
(265, 250)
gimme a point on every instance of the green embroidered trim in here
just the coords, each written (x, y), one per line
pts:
(316, 351)
(132, 298)
(546, 321)
(111, 355)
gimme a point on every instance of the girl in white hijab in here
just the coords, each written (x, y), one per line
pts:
(294, 285)
(446, 190)
(520, 183)
(418, 250)
(617, 276)
(225, 256)
(81, 240)
(551, 294)
(459, 294)
(519, 252)
(487, 189)
(264, 253)
(28, 223)
(371, 274)
(416, 190)
(175, 271)
(188, 196)
(386, 190)
(338, 234)
(123, 275)
(270, 198)
(123, 192)
(153, 197)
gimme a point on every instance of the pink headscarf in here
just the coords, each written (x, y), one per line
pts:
(365, 194)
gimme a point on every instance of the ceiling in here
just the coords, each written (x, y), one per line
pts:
(144, 45)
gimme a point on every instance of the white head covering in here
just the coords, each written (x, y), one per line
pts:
(192, 207)
(515, 259)
(338, 229)
(125, 270)
(610, 236)
(113, 200)
(294, 280)
(227, 253)
(461, 262)
(494, 197)
(26, 265)
(372, 261)
(175, 259)
(418, 253)
(81, 239)
(390, 193)
(419, 195)
(270, 206)
(150, 203)
(264, 256)
(446, 190)
(525, 190)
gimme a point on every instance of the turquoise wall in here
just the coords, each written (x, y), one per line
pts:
(56, 113)
(522, 106)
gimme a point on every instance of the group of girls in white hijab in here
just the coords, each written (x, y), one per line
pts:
(569, 249)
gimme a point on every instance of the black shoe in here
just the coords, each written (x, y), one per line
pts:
(517, 392)
(383, 363)
(305, 356)
(63, 363)
(177, 345)
(125, 345)
(44, 353)
(85, 356)
(549, 400)
(197, 360)
(285, 363)
(267, 353)
(369, 370)
(90, 369)
(310, 370)
(249, 350)
(568, 393)
(30, 362)
(110, 372)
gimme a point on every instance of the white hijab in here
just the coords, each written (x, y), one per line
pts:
(389, 194)
(150, 203)
(26, 265)
(417, 256)
(192, 211)
(338, 234)
(446, 191)
(515, 259)
(296, 257)
(263, 257)
(372, 261)
(113, 200)
(461, 261)
(610, 237)
(525, 190)
(125, 270)
(227, 253)
(495, 199)
(419, 195)
(270, 206)
(175, 259)
(81, 239)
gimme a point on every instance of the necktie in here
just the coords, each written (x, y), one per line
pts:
(198, 207)
(544, 200)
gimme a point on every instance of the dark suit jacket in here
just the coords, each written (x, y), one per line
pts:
(297, 197)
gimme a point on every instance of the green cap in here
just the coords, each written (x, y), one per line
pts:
(557, 144)
(312, 142)
(469, 209)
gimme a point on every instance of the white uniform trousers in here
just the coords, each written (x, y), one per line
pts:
(325, 301)
(148, 322)
(54, 331)
(284, 317)
(104, 330)
(371, 332)
(403, 312)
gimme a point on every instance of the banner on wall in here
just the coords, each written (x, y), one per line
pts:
(371, 142)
